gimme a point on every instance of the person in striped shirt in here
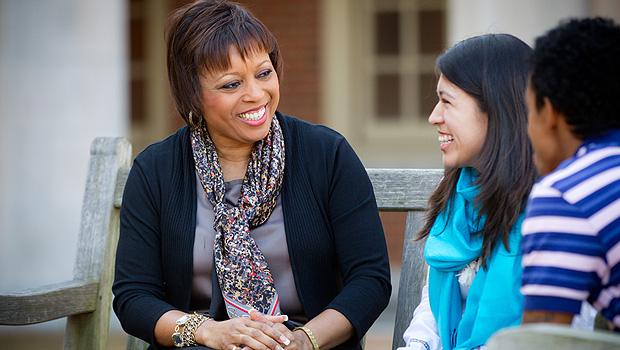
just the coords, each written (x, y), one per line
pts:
(571, 232)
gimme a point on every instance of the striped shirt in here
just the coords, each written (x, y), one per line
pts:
(571, 243)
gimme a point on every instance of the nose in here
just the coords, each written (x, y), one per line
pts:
(436, 116)
(253, 91)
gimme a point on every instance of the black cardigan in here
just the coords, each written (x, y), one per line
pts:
(335, 237)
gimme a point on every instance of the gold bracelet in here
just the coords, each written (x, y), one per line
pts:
(190, 324)
(315, 345)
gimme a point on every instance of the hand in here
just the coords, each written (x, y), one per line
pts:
(292, 340)
(230, 334)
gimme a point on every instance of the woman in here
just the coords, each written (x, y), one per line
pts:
(472, 232)
(245, 211)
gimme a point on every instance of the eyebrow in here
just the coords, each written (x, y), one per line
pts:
(444, 92)
(236, 73)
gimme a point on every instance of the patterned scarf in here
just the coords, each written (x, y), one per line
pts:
(242, 271)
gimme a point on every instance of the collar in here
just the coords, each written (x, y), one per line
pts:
(611, 137)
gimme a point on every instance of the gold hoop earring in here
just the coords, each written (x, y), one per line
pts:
(193, 123)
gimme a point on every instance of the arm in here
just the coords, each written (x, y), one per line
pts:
(557, 270)
(359, 242)
(547, 317)
(142, 293)
(338, 251)
(330, 329)
(139, 287)
(422, 330)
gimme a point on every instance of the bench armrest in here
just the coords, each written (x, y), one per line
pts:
(46, 303)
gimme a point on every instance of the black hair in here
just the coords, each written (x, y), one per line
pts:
(492, 69)
(577, 67)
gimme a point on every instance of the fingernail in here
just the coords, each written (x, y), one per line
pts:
(284, 340)
(285, 318)
(278, 347)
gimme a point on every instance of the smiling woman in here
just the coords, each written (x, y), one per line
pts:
(245, 211)
(238, 107)
(462, 126)
(472, 232)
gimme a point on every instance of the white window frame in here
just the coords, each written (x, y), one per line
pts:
(350, 67)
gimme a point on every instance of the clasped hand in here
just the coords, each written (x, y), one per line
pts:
(257, 332)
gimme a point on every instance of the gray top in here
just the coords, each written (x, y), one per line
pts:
(271, 240)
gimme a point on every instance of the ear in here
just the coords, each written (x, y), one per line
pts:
(551, 115)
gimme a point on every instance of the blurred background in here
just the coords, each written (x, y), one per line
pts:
(71, 70)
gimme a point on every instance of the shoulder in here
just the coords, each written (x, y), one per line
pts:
(575, 173)
(314, 145)
(576, 203)
(163, 159)
(320, 154)
(298, 131)
(166, 150)
(586, 181)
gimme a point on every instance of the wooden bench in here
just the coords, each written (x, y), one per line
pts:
(86, 300)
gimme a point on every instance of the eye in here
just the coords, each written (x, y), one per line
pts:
(265, 74)
(231, 85)
(444, 101)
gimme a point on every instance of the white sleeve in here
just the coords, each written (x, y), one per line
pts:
(585, 319)
(422, 331)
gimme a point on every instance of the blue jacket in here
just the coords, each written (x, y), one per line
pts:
(335, 238)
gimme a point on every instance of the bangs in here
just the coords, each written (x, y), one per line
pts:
(246, 37)
(199, 38)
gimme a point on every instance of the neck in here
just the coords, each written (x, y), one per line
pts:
(234, 160)
(568, 142)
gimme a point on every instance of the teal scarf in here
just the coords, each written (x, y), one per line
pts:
(494, 300)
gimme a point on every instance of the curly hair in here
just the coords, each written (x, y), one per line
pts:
(577, 67)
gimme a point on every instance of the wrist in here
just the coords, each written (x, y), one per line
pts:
(308, 335)
(185, 329)
(203, 332)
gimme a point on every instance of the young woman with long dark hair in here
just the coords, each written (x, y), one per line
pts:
(472, 231)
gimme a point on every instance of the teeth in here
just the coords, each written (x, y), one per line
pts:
(254, 115)
(445, 139)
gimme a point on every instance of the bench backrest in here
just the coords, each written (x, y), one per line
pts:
(406, 190)
(86, 299)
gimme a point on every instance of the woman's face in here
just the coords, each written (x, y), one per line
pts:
(461, 125)
(239, 102)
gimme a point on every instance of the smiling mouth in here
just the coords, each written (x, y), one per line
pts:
(445, 139)
(253, 116)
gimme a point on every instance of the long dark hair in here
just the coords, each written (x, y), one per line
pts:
(493, 69)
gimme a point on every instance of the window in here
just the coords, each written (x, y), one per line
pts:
(392, 47)
(407, 37)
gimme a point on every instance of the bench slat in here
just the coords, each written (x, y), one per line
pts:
(121, 179)
(403, 189)
(48, 303)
